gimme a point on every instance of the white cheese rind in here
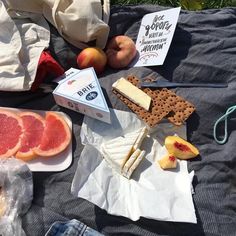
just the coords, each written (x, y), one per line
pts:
(115, 153)
(140, 138)
(133, 93)
(118, 150)
(123, 153)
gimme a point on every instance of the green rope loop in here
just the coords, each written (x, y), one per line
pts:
(225, 119)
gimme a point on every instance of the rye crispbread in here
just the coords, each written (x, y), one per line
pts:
(165, 104)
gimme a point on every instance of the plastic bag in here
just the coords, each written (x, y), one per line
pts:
(16, 194)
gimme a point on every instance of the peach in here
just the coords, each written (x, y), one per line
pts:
(92, 57)
(180, 148)
(168, 162)
(120, 51)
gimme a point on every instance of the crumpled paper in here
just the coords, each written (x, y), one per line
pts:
(151, 192)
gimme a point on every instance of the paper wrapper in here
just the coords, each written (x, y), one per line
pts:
(151, 192)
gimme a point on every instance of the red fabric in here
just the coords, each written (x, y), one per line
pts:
(47, 65)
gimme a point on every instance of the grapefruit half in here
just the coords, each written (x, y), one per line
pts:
(56, 136)
(11, 132)
(33, 124)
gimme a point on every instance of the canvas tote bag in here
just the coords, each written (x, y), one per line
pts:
(78, 21)
(23, 37)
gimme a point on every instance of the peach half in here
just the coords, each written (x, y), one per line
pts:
(168, 162)
(180, 148)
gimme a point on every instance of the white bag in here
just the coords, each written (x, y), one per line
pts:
(23, 37)
(16, 195)
(81, 21)
(78, 21)
(25, 33)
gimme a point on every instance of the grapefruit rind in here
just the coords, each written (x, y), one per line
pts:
(29, 155)
(12, 151)
(54, 151)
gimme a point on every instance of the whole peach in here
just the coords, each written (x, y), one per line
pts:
(92, 57)
(120, 51)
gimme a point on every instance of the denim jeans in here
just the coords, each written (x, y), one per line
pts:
(71, 228)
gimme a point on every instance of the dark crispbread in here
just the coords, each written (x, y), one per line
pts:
(165, 103)
(181, 109)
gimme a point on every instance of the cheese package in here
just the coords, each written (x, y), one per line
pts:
(80, 90)
(121, 153)
(132, 92)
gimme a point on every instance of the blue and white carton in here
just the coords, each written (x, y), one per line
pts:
(79, 90)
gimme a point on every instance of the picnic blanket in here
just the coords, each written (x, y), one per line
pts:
(203, 50)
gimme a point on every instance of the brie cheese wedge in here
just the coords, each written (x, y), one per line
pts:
(117, 151)
(122, 152)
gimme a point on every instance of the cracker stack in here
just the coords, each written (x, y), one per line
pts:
(165, 104)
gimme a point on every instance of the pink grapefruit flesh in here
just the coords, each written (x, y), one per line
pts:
(33, 131)
(11, 131)
(56, 136)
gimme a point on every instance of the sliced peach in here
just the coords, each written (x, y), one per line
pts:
(180, 148)
(168, 162)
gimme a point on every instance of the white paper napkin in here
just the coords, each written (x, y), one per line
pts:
(151, 192)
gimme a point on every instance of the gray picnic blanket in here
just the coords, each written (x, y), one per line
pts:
(203, 50)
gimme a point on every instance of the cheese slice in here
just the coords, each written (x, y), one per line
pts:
(132, 92)
(118, 150)
(140, 138)
(130, 161)
(134, 165)
(2, 203)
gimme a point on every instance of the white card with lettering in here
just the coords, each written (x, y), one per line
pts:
(155, 36)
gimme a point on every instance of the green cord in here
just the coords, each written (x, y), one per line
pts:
(223, 118)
